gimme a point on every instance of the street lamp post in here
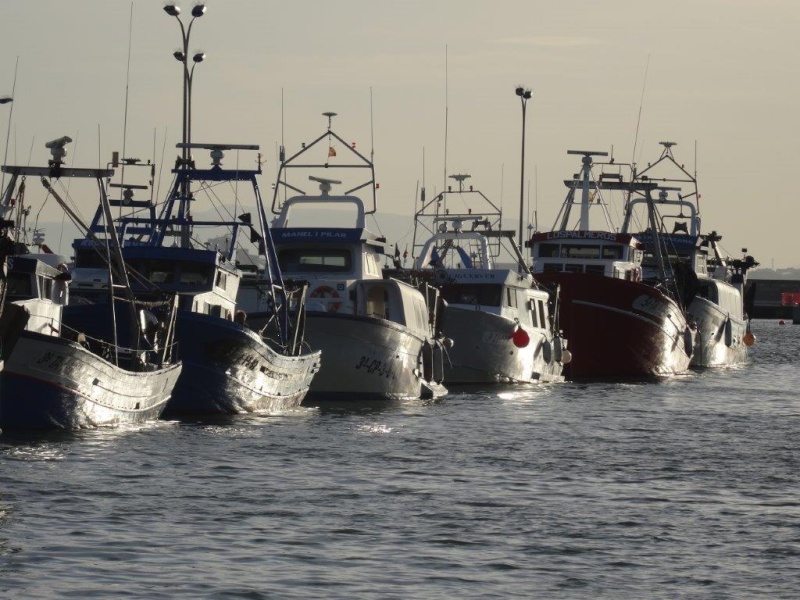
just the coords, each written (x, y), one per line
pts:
(524, 96)
(182, 56)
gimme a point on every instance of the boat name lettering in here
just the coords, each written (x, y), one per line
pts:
(233, 355)
(465, 274)
(375, 367)
(584, 235)
(54, 361)
(651, 305)
(494, 337)
(314, 234)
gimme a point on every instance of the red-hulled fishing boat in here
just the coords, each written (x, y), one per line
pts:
(619, 325)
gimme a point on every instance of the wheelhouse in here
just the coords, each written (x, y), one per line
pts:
(603, 253)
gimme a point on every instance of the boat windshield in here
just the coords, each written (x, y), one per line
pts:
(466, 293)
(305, 260)
(19, 286)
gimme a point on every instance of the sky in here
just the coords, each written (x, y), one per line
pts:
(428, 85)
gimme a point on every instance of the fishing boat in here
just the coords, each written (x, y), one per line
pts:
(618, 324)
(12, 317)
(228, 367)
(377, 335)
(716, 298)
(503, 325)
(56, 376)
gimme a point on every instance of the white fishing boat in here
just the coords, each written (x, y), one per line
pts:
(714, 282)
(58, 377)
(376, 335)
(503, 325)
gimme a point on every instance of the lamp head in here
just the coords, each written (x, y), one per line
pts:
(179, 56)
(523, 93)
(198, 10)
(6, 99)
(199, 57)
(173, 10)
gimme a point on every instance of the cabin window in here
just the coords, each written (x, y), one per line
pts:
(511, 298)
(304, 260)
(222, 280)
(534, 314)
(702, 266)
(421, 310)
(157, 271)
(377, 302)
(580, 251)
(548, 250)
(552, 268)
(542, 314)
(371, 266)
(614, 252)
(46, 285)
(195, 274)
(573, 268)
(484, 295)
(90, 258)
(708, 291)
(19, 285)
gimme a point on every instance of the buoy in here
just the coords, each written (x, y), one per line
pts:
(566, 357)
(520, 338)
(749, 339)
(781, 322)
(325, 292)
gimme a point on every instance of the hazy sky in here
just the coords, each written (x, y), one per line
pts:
(722, 76)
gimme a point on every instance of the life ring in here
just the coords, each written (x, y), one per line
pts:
(325, 292)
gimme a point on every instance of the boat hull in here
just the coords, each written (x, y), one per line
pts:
(720, 337)
(620, 329)
(484, 351)
(230, 369)
(227, 368)
(366, 359)
(52, 383)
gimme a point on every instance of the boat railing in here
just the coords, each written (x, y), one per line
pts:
(136, 359)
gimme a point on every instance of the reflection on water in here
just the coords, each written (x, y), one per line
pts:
(679, 488)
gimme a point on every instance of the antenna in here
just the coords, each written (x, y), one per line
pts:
(371, 128)
(535, 197)
(446, 115)
(641, 103)
(127, 90)
(8, 132)
(330, 116)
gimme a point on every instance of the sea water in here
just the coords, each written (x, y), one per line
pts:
(685, 488)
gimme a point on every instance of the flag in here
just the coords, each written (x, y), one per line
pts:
(405, 256)
(396, 257)
(331, 151)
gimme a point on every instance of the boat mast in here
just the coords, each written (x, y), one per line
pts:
(586, 185)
